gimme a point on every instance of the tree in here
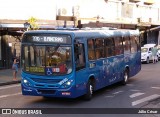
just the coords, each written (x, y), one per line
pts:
(33, 23)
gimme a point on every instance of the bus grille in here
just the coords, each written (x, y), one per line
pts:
(48, 81)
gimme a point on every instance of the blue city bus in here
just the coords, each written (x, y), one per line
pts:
(73, 63)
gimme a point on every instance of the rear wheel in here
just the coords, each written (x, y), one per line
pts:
(125, 77)
(89, 93)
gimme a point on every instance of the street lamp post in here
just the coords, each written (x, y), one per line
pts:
(27, 25)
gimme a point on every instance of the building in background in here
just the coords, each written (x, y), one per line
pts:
(132, 14)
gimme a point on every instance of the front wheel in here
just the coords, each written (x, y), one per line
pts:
(89, 89)
(125, 77)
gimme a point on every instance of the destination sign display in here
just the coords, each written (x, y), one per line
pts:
(35, 69)
(47, 39)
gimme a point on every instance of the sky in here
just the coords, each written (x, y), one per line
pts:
(18, 9)
(46, 9)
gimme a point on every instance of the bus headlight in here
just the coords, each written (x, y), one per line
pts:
(67, 84)
(26, 82)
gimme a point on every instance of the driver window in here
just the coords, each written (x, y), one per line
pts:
(79, 56)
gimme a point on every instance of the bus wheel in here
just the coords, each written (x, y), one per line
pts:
(45, 97)
(125, 77)
(89, 89)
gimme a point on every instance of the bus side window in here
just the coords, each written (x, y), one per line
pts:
(118, 46)
(99, 48)
(79, 54)
(91, 52)
(110, 48)
(134, 46)
(126, 44)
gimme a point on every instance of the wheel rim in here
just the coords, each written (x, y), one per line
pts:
(125, 76)
(91, 89)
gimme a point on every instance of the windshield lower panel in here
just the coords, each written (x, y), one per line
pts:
(144, 50)
(47, 60)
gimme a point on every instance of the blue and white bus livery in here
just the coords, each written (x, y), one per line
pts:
(65, 63)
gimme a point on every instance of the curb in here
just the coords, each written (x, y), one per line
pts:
(11, 82)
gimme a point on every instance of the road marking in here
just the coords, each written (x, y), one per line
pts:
(130, 85)
(11, 86)
(109, 96)
(9, 95)
(134, 90)
(145, 99)
(136, 94)
(117, 92)
(155, 87)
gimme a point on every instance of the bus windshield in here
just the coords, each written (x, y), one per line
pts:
(144, 50)
(47, 60)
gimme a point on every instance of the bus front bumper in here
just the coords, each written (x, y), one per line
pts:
(66, 93)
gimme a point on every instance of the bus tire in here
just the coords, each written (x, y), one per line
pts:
(45, 97)
(125, 77)
(89, 88)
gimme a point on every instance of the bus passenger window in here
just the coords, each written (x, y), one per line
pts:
(79, 56)
(99, 48)
(91, 52)
(118, 46)
(91, 55)
(126, 44)
(134, 45)
(110, 48)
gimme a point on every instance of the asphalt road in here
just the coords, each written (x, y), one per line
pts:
(142, 91)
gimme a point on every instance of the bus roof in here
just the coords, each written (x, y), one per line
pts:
(88, 33)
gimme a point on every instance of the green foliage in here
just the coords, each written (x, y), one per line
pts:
(33, 23)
